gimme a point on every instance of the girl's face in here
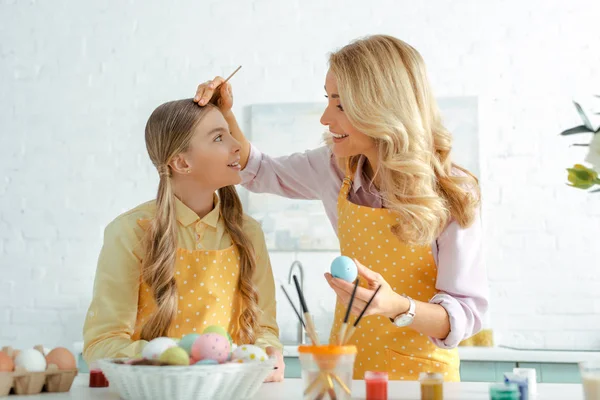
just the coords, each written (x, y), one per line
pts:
(213, 155)
(347, 140)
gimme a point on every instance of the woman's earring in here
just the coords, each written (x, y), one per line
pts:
(189, 171)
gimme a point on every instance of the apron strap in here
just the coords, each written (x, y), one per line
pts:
(347, 182)
(349, 170)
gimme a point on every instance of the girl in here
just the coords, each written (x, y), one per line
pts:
(406, 214)
(190, 258)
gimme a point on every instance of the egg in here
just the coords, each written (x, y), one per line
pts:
(6, 363)
(175, 356)
(62, 358)
(207, 361)
(249, 353)
(343, 267)
(217, 329)
(187, 341)
(156, 347)
(211, 346)
(31, 360)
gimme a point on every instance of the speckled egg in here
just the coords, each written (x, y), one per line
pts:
(218, 329)
(211, 346)
(343, 267)
(187, 341)
(249, 353)
(31, 360)
(156, 347)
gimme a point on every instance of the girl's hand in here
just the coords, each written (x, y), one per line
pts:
(277, 374)
(387, 302)
(205, 92)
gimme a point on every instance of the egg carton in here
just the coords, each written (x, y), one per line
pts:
(23, 382)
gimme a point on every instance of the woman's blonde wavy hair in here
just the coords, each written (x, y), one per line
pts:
(169, 131)
(385, 92)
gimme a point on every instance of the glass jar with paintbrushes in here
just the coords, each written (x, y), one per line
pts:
(327, 369)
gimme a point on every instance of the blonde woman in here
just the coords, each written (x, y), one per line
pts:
(190, 258)
(401, 208)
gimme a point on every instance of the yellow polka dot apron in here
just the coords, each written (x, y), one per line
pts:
(365, 234)
(206, 284)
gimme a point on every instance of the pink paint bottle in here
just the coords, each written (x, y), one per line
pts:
(377, 385)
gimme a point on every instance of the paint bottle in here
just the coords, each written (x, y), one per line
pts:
(504, 391)
(97, 379)
(531, 375)
(520, 381)
(377, 385)
(432, 386)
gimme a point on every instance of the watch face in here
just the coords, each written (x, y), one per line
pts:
(403, 320)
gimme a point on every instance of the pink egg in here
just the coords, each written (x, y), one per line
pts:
(211, 346)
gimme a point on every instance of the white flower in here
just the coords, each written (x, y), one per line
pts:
(593, 156)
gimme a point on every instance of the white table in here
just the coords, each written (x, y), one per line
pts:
(291, 389)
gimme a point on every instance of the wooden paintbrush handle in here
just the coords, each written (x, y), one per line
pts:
(331, 388)
(341, 334)
(325, 378)
(349, 334)
(313, 385)
(310, 329)
(328, 387)
(340, 382)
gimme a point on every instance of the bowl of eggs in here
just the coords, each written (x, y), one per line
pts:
(197, 366)
(37, 370)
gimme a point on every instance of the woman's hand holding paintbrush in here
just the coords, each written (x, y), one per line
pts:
(218, 92)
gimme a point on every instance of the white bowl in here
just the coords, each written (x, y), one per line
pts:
(194, 382)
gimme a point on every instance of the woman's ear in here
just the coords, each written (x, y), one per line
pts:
(179, 165)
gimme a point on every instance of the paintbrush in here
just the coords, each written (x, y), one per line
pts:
(353, 328)
(293, 306)
(310, 326)
(328, 375)
(217, 93)
(342, 331)
(325, 377)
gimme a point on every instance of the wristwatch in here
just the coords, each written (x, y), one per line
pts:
(406, 318)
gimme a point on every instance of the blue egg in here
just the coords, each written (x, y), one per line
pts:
(207, 362)
(187, 341)
(344, 268)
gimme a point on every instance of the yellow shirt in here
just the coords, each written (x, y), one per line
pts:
(111, 317)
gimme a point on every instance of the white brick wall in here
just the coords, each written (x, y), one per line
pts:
(79, 80)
